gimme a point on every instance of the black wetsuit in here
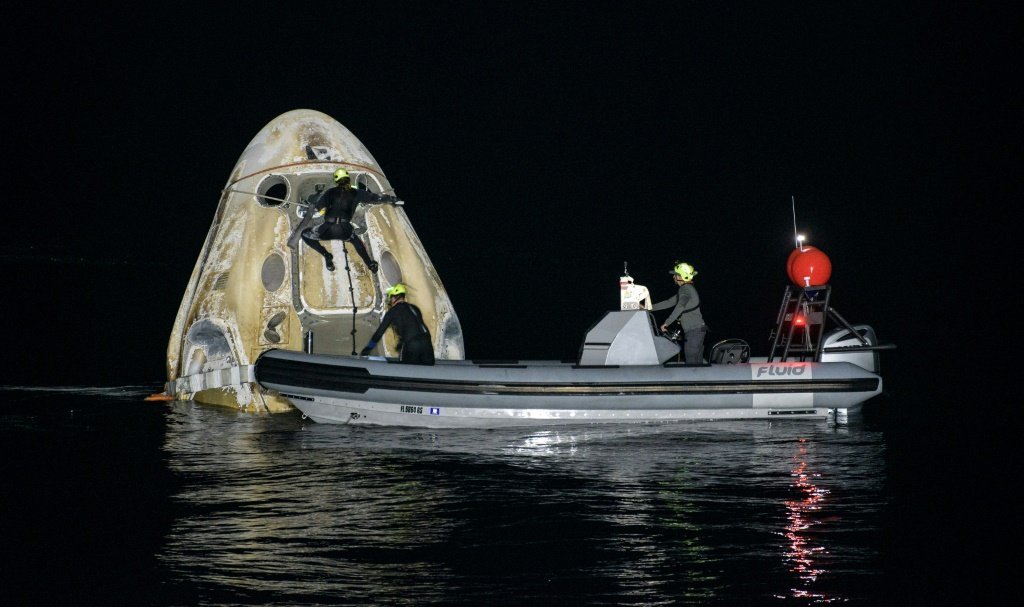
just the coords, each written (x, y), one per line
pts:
(685, 306)
(414, 341)
(341, 202)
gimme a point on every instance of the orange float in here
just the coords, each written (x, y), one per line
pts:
(808, 267)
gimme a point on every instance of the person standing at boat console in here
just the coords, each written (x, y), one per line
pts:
(685, 306)
(414, 341)
(336, 206)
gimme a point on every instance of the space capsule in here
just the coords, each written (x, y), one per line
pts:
(256, 286)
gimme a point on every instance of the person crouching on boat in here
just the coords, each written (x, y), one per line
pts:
(685, 306)
(414, 343)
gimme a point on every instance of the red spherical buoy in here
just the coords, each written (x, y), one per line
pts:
(789, 261)
(808, 267)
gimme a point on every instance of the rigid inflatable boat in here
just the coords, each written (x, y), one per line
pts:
(626, 372)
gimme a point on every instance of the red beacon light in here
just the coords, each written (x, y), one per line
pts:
(808, 266)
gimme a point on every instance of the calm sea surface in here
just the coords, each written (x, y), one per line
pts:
(112, 500)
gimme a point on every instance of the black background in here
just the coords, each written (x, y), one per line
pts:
(538, 147)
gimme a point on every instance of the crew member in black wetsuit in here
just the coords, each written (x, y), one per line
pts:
(414, 341)
(685, 306)
(336, 206)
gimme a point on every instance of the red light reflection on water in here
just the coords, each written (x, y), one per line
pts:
(800, 552)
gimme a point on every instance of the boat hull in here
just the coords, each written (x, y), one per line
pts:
(327, 410)
(341, 389)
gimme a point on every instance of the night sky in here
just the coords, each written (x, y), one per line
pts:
(538, 148)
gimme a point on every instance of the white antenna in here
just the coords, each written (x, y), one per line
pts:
(625, 271)
(797, 238)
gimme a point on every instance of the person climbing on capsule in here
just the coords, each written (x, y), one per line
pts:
(414, 343)
(685, 306)
(336, 206)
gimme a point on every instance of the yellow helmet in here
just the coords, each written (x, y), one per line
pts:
(398, 289)
(685, 271)
(340, 175)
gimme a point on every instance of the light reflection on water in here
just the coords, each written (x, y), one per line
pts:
(278, 509)
(803, 550)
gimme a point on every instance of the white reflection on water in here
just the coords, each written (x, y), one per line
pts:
(544, 443)
(296, 512)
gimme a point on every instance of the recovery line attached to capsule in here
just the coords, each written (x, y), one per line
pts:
(397, 203)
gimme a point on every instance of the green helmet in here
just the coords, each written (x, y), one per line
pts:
(685, 271)
(340, 175)
(398, 289)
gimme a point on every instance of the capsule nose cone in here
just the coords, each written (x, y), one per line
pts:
(303, 137)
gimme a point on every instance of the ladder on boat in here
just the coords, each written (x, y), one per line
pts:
(800, 327)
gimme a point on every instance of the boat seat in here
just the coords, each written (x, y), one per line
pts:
(729, 351)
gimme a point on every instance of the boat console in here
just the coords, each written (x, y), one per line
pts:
(626, 337)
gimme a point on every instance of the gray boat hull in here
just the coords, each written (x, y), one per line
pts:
(342, 389)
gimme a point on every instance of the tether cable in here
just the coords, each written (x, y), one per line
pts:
(351, 294)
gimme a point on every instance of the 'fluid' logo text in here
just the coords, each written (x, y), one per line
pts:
(780, 370)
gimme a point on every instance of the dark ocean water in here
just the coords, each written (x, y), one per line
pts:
(112, 500)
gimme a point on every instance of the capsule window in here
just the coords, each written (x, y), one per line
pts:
(367, 181)
(272, 273)
(272, 191)
(390, 269)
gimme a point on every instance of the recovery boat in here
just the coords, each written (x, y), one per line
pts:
(626, 371)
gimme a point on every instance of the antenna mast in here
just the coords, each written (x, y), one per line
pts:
(796, 237)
